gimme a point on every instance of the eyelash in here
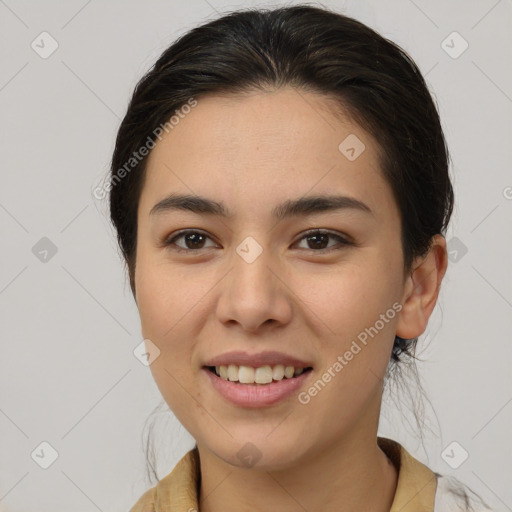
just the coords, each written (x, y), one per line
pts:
(341, 241)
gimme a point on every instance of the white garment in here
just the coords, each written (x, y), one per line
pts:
(453, 496)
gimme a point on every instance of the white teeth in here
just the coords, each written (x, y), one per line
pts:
(288, 372)
(232, 372)
(263, 375)
(278, 372)
(260, 375)
(246, 375)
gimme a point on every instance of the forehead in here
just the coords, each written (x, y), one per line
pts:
(254, 150)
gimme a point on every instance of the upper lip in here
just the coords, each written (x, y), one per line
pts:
(241, 358)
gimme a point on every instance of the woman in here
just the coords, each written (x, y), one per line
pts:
(280, 192)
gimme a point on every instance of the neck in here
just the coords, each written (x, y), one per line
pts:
(354, 474)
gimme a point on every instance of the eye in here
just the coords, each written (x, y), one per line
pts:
(192, 239)
(319, 240)
(195, 240)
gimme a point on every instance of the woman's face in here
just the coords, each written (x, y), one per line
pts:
(255, 282)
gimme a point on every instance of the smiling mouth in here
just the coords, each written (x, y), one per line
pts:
(256, 376)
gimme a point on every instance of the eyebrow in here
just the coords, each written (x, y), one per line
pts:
(291, 208)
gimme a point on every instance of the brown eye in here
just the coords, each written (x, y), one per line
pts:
(193, 240)
(318, 240)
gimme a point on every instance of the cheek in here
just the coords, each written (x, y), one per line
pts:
(352, 298)
(163, 296)
(164, 310)
(171, 304)
(355, 305)
(152, 301)
(356, 341)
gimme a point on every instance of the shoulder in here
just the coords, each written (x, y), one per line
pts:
(146, 503)
(454, 496)
(176, 492)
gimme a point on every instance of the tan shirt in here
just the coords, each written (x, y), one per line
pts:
(417, 488)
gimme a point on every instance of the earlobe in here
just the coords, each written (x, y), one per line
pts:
(422, 289)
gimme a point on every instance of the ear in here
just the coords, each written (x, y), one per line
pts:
(421, 290)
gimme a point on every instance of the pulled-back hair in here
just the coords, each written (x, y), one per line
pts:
(371, 80)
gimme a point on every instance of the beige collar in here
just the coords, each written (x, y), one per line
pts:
(178, 491)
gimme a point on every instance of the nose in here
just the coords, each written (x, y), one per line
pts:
(254, 295)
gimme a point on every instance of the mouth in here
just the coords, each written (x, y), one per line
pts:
(259, 376)
(264, 386)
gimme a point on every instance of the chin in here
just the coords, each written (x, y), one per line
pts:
(260, 453)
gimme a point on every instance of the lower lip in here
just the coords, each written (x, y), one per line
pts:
(257, 395)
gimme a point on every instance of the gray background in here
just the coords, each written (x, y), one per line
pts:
(69, 324)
